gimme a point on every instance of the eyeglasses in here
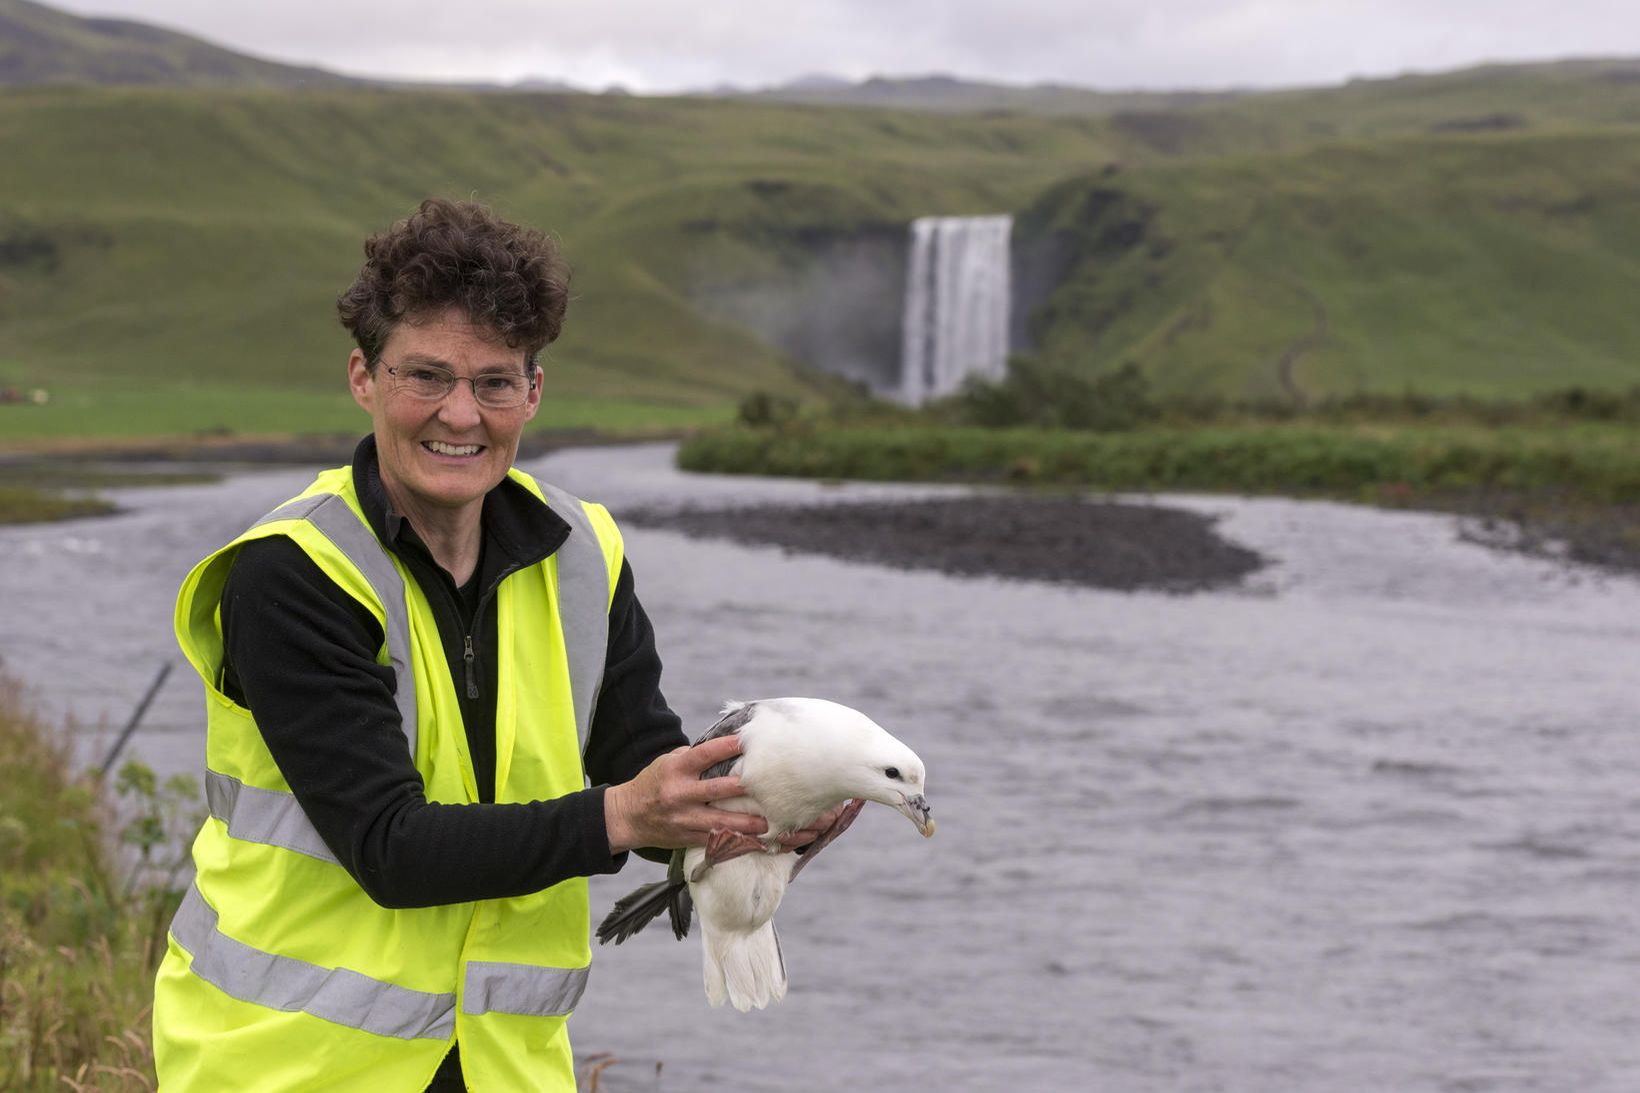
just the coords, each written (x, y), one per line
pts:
(495, 390)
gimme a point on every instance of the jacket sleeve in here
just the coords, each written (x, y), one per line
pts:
(632, 725)
(300, 653)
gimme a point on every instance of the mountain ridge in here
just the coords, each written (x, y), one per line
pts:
(45, 45)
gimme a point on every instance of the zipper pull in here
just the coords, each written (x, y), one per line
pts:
(472, 676)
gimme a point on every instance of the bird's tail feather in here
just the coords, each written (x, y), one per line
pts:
(633, 911)
(745, 969)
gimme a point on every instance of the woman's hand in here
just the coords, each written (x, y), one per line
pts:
(666, 805)
(799, 840)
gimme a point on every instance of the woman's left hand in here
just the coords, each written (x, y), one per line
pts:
(800, 839)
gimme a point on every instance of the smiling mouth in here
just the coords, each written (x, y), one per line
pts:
(438, 447)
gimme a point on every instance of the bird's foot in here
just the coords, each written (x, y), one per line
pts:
(840, 825)
(722, 846)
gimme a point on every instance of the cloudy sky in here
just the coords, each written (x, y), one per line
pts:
(668, 45)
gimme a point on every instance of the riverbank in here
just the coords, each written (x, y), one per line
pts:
(27, 505)
(36, 490)
(57, 479)
(1569, 491)
(79, 936)
(271, 449)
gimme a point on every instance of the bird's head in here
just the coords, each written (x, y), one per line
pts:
(893, 775)
(841, 753)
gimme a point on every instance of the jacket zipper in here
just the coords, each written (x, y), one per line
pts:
(469, 656)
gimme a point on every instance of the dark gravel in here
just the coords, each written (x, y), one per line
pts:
(1099, 544)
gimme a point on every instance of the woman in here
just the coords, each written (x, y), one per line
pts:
(433, 711)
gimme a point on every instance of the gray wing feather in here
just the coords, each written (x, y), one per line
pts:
(728, 725)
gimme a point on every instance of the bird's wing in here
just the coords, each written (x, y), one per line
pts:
(806, 855)
(734, 716)
(633, 911)
(681, 907)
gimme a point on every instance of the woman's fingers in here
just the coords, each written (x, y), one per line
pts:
(716, 819)
(717, 789)
(709, 753)
(669, 804)
(804, 836)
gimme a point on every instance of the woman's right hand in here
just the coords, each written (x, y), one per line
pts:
(668, 804)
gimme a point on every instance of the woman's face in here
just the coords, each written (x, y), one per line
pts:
(444, 454)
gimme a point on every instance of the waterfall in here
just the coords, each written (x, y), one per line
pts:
(956, 304)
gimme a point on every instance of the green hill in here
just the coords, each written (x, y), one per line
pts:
(1498, 265)
(951, 95)
(169, 256)
(42, 45)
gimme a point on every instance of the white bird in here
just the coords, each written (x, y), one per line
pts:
(800, 757)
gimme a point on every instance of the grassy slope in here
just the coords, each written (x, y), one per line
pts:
(1490, 264)
(168, 258)
(1464, 231)
(945, 94)
(193, 245)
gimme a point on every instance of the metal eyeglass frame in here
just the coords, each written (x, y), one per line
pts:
(453, 379)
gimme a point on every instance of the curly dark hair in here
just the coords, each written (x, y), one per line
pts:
(458, 254)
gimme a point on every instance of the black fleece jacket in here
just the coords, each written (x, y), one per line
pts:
(300, 653)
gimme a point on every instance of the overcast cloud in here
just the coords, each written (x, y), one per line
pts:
(666, 45)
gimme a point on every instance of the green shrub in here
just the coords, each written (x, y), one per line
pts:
(1593, 463)
(1038, 394)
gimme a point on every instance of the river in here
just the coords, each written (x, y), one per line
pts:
(1369, 821)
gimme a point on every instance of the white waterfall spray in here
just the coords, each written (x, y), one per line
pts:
(956, 304)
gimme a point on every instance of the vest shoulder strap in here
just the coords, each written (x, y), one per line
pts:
(586, 583)
(349, 534)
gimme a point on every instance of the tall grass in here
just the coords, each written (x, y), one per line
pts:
(82, 926)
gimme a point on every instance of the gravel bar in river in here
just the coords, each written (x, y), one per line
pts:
(1099, 544)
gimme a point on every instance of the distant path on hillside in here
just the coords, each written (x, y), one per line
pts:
(1309, 340)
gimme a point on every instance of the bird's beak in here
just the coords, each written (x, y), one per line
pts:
(917, 811)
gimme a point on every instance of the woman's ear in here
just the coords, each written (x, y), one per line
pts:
(361, 382)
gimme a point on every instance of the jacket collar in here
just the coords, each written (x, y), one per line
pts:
(517, 525)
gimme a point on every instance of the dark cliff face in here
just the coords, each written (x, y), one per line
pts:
(830, 298)
(1072, 233)
(1040, 260)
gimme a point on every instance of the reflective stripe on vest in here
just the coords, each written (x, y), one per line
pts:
(346, 997)
(584, 584)
(339, 995)
(264, 816)
(525, 989)
(273, 817)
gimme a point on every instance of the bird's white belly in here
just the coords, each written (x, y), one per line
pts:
(742, 893)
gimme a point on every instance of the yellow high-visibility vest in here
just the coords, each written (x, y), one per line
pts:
(280, 972)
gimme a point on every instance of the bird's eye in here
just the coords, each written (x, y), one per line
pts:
(892, 772)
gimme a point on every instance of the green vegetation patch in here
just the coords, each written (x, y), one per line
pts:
(24, 505)
(82, 928)
(1593, 462)
(37, 491)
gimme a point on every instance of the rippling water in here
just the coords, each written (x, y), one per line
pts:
(1370, 822)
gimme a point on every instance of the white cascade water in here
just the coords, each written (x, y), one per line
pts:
(956, 304)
